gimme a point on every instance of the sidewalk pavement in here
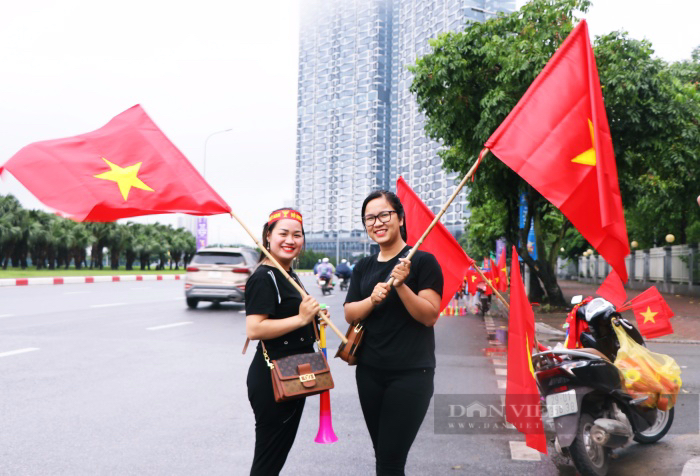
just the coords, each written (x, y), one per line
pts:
(686, 322)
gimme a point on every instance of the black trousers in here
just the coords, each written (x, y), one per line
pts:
(394, 404)
(276, 424)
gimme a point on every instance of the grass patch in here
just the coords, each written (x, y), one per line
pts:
(48, 273)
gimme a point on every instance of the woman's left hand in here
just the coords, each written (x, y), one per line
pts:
(401, 271)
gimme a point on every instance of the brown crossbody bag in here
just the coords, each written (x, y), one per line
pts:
(299, 375)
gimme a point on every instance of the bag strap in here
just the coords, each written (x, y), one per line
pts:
(279, 299)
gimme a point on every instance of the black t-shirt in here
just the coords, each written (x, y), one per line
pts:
(393, 338)
(267, 291)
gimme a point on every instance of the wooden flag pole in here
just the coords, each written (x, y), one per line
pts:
(461, 185)
(289, 278)
(488, 281)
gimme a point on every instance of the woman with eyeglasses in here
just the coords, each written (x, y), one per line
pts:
(396, 362)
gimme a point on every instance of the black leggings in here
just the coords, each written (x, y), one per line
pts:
(394, 403)
(276, 424)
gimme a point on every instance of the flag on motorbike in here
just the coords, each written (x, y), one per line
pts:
(522, 394)
(652, 313)
(613, 290)
(558, 140)
(454, 262)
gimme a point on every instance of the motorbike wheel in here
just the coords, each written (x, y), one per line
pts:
(589, 458)
(658, 430)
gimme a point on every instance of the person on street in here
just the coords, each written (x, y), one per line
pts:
(396, 361)
(325, 270)
(277, 314)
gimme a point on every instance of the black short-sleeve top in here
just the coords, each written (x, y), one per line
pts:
(268, 292)
(393, 338)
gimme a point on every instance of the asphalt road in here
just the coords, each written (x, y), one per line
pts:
(121, 379)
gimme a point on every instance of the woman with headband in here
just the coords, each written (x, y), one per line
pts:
(277, 314)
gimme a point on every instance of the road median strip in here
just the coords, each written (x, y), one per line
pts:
(88, 279)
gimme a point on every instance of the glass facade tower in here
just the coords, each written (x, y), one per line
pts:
(358, 126)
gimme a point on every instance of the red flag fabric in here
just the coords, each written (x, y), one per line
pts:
(522, 395)
(452, 258)
(558, 140)
(613, 290)
(652, 312)
(495, 276)
(502, 284)
(126, 168)
(473, 279)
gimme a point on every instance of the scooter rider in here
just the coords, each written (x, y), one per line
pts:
(344, 272)
(325, 271)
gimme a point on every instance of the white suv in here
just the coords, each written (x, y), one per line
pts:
(219, 274)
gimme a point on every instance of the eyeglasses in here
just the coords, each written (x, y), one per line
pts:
(384, 217)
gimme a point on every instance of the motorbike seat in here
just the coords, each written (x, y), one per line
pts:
(596, 352)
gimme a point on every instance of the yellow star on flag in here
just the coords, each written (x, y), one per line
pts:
(587, 157)
(473, 278)
(495, 280)
(648, 315)
(125, 177)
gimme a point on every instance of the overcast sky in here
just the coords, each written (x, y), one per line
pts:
(68, 67)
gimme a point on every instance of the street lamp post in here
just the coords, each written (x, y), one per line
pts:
(481, 10)
(206, 142)
(202, 232)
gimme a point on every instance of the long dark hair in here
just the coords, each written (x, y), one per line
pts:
(393, 201)
(268, 229)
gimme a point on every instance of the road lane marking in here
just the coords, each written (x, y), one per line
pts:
(501, 372)
(521, 452)
(108, 305)
(18, 351)
(168, 326)
(500, 362)
(501, 384)
(6, 315)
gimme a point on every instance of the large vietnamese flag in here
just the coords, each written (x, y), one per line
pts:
(126, 168)
(522, 395)
(558, 140)
(439, 242)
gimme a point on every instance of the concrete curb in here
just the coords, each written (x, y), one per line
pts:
(89, 279)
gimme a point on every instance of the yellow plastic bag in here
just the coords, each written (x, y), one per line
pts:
(647, 373)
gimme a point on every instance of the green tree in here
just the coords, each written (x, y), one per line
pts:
(472, 80)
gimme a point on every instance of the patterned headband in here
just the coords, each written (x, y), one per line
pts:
(283, 213)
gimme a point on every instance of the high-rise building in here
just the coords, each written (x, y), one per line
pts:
(358, 125)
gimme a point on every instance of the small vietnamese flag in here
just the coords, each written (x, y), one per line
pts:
(473, 279)
(652, 313)
(522, 394)
(124, 169)
(502, 284)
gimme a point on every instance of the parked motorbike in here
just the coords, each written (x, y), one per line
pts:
(586, 402)
(326, 285)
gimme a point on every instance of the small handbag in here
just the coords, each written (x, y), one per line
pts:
(299, 375)
(348, 352)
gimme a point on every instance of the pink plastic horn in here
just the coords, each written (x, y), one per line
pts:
(325, 434)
